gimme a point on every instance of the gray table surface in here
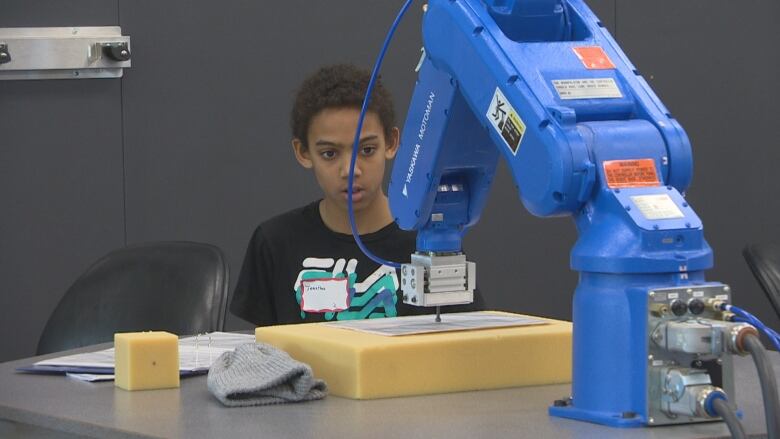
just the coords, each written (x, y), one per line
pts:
(59, 405)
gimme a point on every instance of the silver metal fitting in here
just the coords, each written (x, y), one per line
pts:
(437, 280)
(659, 309)
(689, 336)
(715, 304)
(736, 332)
(685, 392)
(701, 336)
(701, 400)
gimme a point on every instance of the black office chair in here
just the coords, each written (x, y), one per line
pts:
(180, 287)
(764, 262)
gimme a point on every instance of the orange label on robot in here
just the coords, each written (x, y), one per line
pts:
(594, 57)
(631, 173)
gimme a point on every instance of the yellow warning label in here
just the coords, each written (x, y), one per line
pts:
(505, 120)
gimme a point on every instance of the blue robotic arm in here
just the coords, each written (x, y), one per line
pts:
(543, 84)
(507, 78)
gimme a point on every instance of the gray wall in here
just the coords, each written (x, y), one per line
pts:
(193, 143)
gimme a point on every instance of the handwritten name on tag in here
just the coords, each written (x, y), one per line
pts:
(324, 295)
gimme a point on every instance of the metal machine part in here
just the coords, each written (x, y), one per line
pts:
(438, 280)
(687, 392)
(116, 51)
(5, 57)
(690, 353)
(63, 52)
(700, 336)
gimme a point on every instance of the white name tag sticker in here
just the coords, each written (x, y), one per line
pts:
(324, 295)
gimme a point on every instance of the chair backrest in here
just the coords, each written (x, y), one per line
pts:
(764, 262)
(180, 287)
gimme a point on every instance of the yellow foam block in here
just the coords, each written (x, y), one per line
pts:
(146, 360)
(366, 366)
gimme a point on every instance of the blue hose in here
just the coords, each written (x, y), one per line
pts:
(740, 315)
(366, 100)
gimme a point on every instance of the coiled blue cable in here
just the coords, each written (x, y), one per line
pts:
(366, 100)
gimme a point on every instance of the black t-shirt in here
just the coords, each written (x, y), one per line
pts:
(294, 256)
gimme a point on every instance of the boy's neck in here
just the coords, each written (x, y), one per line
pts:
(369, 220)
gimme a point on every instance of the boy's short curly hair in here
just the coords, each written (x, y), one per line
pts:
(339, 86)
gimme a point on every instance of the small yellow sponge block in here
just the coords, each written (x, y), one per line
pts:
(366, 366)
(146, 360)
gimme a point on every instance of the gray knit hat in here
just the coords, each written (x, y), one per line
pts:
(260, 374)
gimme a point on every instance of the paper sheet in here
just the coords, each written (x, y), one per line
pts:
(394, 326)
(90, 377)
(195, 353)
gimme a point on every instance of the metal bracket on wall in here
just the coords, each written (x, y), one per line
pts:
(63, 52)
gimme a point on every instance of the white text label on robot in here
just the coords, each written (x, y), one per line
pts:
(657, 207)
(588, 88)
(418, 145)
(505, 120)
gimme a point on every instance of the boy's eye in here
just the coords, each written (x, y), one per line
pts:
(328, 154)
(368, 149)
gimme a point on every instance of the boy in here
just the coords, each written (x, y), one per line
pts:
(304, 265)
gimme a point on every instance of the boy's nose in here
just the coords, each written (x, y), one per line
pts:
(344, 168)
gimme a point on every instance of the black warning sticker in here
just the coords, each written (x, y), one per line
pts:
(505, 120)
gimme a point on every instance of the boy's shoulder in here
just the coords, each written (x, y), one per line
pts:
(292, 219)
(304, 224)
(299, 224)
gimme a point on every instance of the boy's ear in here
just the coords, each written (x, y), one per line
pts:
(302, 153)
(392, 143)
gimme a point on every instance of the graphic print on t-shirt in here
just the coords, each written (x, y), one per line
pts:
(374, 297)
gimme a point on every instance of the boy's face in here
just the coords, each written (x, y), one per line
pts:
(331, 134)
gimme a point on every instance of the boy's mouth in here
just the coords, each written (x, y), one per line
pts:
(357, 193)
